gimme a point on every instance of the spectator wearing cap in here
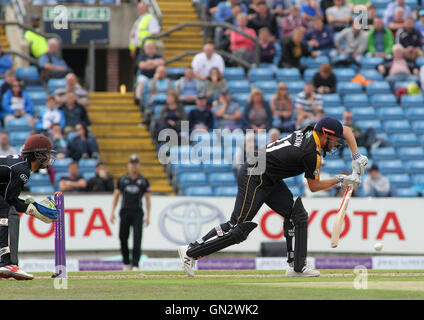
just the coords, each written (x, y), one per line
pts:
(227, 112)
(325, 80)
(74, 112)
(188, 87)
(294, 49)
(37, 43)
(282, 107)
(6, 61)
(74, 181)
(420, 25)
(308, 103)
(389, 13)
(409, 37)
(52, 66)
(264, 18)
(203, 62)
(338, 16)
(5, 148)
(380, 40)
(83, 145)
(102, 181)
(320, 38)
(201, 118)
(215, 84)
(292, 22)
(72, 85)
(223, 11)
(49, 116)
(375, 184)
(133, 187)
(257, 114)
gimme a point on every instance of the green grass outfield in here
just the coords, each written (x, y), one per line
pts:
(222, 285)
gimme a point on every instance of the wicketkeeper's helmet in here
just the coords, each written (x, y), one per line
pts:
(38, 147)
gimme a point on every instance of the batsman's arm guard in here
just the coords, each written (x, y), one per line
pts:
(45, 210)
(300, 221)
(236, 235)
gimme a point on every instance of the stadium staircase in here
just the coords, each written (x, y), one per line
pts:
(3, 38)
(116, 123)
(175, 12)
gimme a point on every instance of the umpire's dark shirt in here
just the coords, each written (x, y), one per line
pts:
(14, 174)
(132, 191)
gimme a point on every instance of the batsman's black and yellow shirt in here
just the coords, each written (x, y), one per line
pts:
(292, 155)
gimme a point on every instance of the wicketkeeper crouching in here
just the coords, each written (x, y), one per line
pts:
(15, 171)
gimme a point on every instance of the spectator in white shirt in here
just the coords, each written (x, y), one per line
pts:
(5, 148)
(203, 62)
(375, 184)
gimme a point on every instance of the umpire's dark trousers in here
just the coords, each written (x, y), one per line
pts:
(131, 218)
(254, 190)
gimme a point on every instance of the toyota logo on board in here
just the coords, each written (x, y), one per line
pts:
(190, 216)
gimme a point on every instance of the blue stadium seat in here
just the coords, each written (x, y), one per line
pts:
(309, 74)
(18, 137)
(159, 98)
(390, 113)
(419, 61)
(412, 100)
(175, 72)
(29, 74)
(418, 126)
(410, 153)
(344, 74)
(313, 62)
(405, 140)
(397, 126)
(295, 86)
(391, 166)
(356, 100)
(54, 84)
(221, 167)
(402, 84)
(386, 153)
(17, 124)
(365, 124)
(225, 191)
(335, 112)
(288, 74)
(347, 155)
(239, 86)
(38, 97)
(88, 175)
(401, 180)
(414, 113)
(189, 167)
(383, 100)
(364, 113)
(415, 166)
(191, 178)
(331, 100)
(418, 179)
(413, 4)
(257, 74)
(242, 98)
(380, 3)
(406, 193)
(87, 165)
(371, 62)
(61, 165)
(221, 179)
(378, 87)
(200, 191)
(335, 166)
(41, 189)
(266, 86)
(236, 73)
(38, 179)
(34, 87)
(345, 87)
(372, 74)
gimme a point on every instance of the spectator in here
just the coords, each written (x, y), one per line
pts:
(389, 13)
(268, 51)
(375, 184)
(354, 3)
(294, 49)
(227, 112)
(215, 84)
(292, 22)
(241, 46)
(102, 181)
(146, 25)
(5, 148)
(59, 143)
(210, 8)
(409, 37)
(74, 113)
(72, 85)
(222, 36)
(17, 104)
(83, 145)
(203, 62)
(201, 118)
(159, 84)
(257, 114)
(52, 66)
(420, 26)
(308, 103)
(223, 11)
(188, 87)
(282, 107)
(274, 135)
(338, 16)
(398, 68)
(325, 80)
(37, 43)
(9, 78)
(147, 62)
(320, 38)
(311, 11)
(172, 114)
(355, 44)
(397, 22)
(6, 61)
(280, 7)
(264, 18)
(74, 181)
(371, 15)
(380, 40)
(49, 116)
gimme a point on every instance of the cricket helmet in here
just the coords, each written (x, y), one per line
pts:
(38, 147)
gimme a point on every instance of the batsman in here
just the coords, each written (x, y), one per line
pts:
(300, 152)
(15, 171)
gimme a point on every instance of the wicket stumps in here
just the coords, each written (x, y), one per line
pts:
(59, 238)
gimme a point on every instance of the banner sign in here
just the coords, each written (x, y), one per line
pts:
(175, 221)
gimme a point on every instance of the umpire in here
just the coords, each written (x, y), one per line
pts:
(133, 186)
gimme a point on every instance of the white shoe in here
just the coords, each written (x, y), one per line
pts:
(188, 263)
(306, 272)
(13, 271)
(134, 269)
(126, 267)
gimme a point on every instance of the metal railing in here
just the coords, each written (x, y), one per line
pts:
(19, 9)
(156, 10)
(22, 56)
(206, 25)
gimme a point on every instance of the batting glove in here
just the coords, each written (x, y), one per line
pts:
(354, 180)
(359, 163)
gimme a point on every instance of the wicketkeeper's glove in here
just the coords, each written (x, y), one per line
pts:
(45, 210)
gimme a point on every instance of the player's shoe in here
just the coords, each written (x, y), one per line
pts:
(306, 272)
(134, 268)
(13, 271)
(126, 267)
(188, 263)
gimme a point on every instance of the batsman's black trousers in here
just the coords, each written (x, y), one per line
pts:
(254, 190)
(131, 218)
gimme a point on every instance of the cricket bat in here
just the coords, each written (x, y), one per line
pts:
(339, 220)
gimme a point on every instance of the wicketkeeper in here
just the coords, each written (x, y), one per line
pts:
(300, 152)
(15, 171)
